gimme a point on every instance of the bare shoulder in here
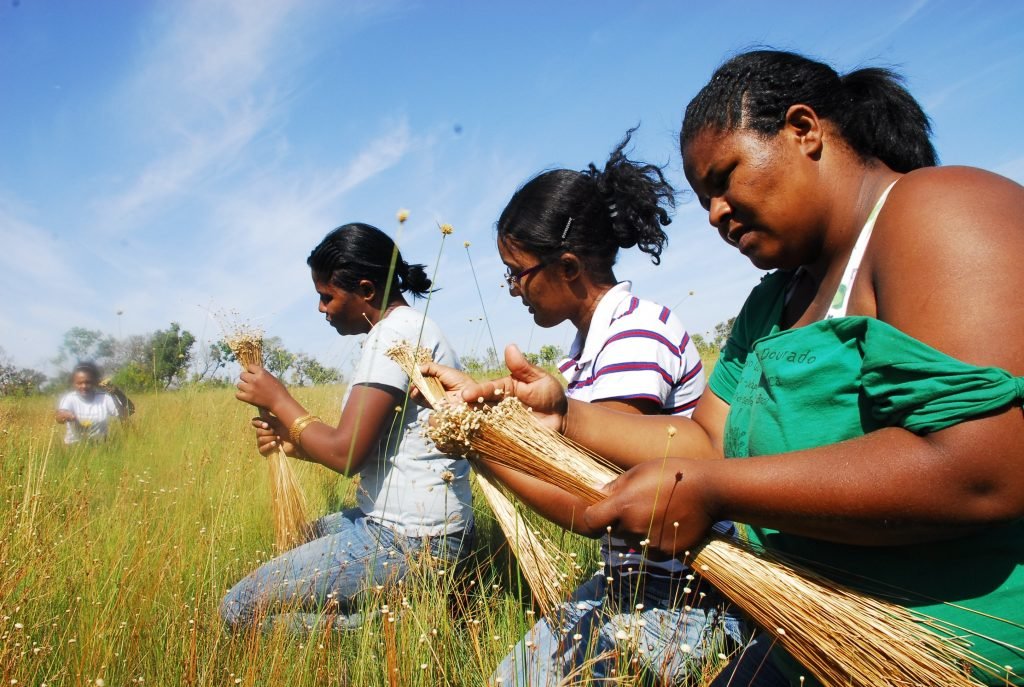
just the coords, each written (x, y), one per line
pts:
(945, 262)
(947, 187)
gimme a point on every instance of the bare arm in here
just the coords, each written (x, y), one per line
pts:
(345, 448)
(889, 487)
(625, 439)
(841, 493)
(628, 440)
(554, 504)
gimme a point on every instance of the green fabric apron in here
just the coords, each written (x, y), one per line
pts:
(841, 378)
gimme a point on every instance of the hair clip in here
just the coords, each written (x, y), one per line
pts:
(565, 231)
(613, 210)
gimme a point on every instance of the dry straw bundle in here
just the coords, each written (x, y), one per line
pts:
(548, 583)
(538, 559)
(841, 635)
(291, 525)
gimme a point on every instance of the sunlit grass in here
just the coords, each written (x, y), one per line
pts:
(114, 558)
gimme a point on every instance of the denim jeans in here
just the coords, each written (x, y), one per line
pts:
(320, 581)
(664, 632)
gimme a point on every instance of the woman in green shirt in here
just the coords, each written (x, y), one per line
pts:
(872, 383)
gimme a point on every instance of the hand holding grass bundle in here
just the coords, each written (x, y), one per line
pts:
(841, 635)
(291, 524)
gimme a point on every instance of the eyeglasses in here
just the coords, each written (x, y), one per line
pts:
(516, 280)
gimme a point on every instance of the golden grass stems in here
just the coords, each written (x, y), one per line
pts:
(291, 523)
(547, 583)
(842, 636)
(537, 564)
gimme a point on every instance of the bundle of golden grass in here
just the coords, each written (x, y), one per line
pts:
(291, 525)
(842, 636)
(548, 583)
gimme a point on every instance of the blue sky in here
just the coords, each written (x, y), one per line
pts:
(166, 160)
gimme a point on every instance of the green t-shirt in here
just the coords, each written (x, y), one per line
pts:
(841, 378)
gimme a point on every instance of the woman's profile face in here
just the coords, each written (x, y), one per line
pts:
(758, 193)
(84, 384)
(343, 309)
(541, 289)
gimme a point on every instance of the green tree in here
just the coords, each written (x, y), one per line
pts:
(276, 358)
(722, 332)
(85, 344)
(170, 352)
(307, 369)
(474, 367)
(18, 381)
(550, 355)
(712, 343)
(209, 363)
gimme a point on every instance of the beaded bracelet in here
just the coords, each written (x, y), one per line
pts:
(299, 425)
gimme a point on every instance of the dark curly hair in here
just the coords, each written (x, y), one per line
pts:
(620, 206)
(872, 110)
(357, 251)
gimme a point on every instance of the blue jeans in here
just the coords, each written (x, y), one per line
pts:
(644, 621)
(320, 581)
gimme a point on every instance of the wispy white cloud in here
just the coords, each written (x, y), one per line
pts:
(891, 27)
(46, 282)
(204, 90)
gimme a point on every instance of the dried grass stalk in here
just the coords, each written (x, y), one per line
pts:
(291, 524)
(548, 583)
(841, 635)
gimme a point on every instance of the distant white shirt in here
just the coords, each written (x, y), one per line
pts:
(91, 417)
(406, 484)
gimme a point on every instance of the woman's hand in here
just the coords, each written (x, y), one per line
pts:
(258, 387)
(65, 416)
(271, 433)
(530, 384)
(660, 501)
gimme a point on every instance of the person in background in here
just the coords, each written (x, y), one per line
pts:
(559, 237)
(87, 410)
(412, 501)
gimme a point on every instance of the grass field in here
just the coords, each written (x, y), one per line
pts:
(114, 557)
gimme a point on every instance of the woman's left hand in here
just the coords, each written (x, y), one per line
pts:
(660, 501)
(258, 387)
(270, 434)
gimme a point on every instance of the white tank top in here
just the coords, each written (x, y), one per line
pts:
(842, 296)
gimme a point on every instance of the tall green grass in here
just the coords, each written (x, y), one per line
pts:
(114, 558)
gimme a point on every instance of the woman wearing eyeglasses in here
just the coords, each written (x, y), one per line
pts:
(559, 237)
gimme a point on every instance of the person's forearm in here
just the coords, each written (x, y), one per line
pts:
(887, 488)
(333, 448)
(629, 440)
(547, 500)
